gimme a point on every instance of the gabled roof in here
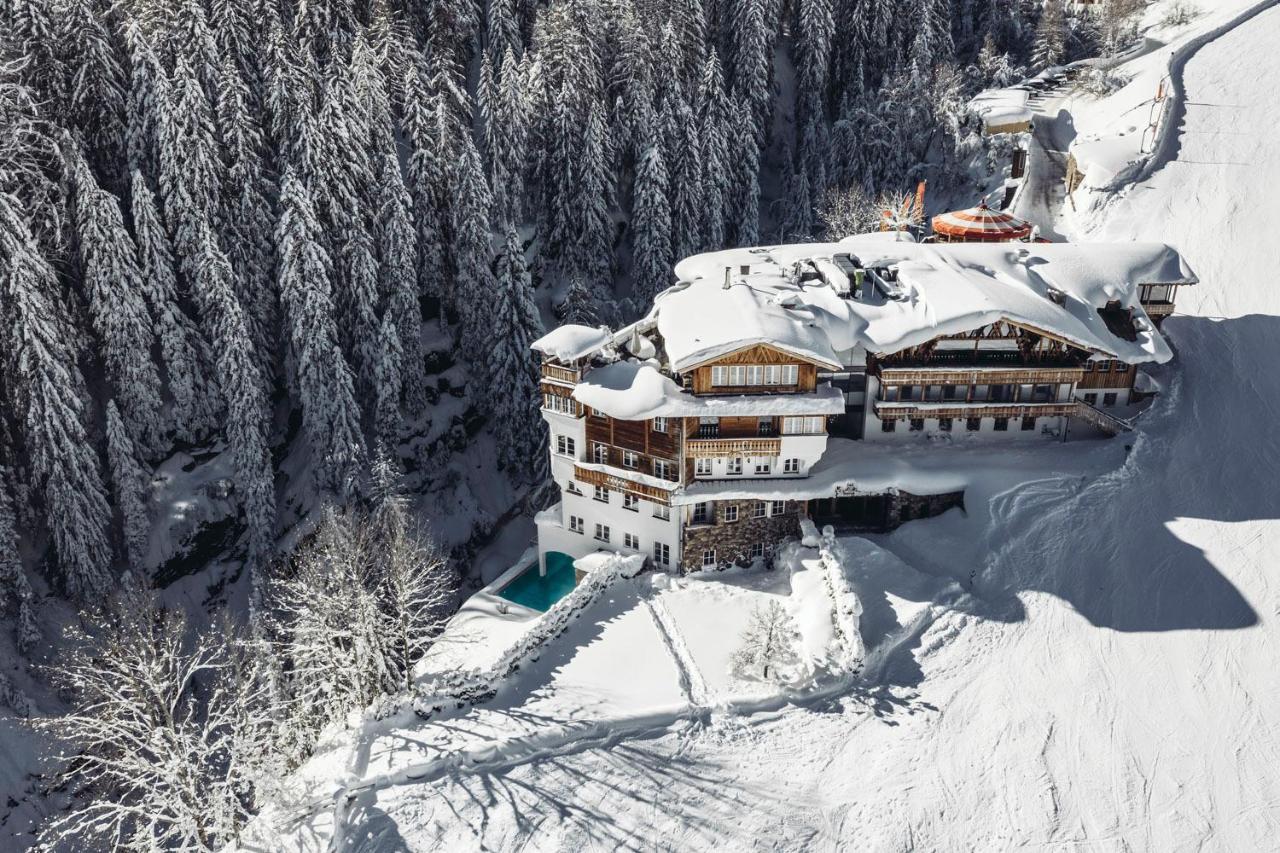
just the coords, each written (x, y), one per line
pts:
(938, 289)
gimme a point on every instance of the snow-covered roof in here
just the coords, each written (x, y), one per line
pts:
(635, 391)
(940, 289)
(571, 341)
(1001, 107)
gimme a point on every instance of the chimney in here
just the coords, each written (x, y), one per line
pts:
(727, 283)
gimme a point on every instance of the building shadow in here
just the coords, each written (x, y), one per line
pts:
(1116, 546)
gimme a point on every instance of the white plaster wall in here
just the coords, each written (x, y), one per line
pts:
(640, 522)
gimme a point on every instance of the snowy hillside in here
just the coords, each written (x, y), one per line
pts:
(1086, 659)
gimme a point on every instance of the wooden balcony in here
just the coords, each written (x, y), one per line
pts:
(1157, 310)
(556, 373)
(981, 375)
(618, 483)
(960, 411)
(702, 448)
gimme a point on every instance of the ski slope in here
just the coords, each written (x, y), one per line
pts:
(1089, 659)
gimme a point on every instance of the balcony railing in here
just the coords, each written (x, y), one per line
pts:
(712, 448)
(557, 373)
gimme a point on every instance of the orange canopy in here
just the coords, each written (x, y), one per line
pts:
(980, 224)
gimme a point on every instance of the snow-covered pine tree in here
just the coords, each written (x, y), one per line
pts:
(98, 85)
(14, 585)
(752, 39)
(473, 282)
(508, 132)
(746, 177)
(428, 173)
(190, 166)
(118, 309)
(651, 253)
(244, 395)
(194, 398)
(512, 401)
(685, 170)
(129, 481)
(397, 260)
(713, 126)
(502, 31)
(330, 416)
(48, 394)
(246, 191)
(592, 253)
(816, 23)
(142, 132)
(1050, 44)
(579, 304)
(389, 382)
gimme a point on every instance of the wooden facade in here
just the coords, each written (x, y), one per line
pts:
(999, 376)
(1108, 378)
(637, 436)
(807, 375)
(619, 483)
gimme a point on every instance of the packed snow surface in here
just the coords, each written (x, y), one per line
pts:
(1000, 107)
(732, 299)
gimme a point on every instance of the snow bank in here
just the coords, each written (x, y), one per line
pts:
(571, 341)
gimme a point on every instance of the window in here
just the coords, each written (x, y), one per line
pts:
(1042, 394)
(933, 393)
(556, 403)
(1028, 424)
(1108, 399)
(731, 512)
(973, 424)
(630, 501)
(758, 509)
(889, 393)
(764, 427)
(661, 554)
(599, 453)
(1091, 398)
(662, 511)
(888, 425)
(778, 508)
(572, 488)
(755, 374)
(954, 392)
(602, 532)
(917, 424)
(596, 413)
(808, 425)
(702, 467)
(701, 512)
(944, 424)
(575, 523)
(1120, 367)
(907, 393)
(708, 427)
(1002, 425)
(630, 459)
(763, 467)
(659, 424)
(564, 445)
(791, 466)
(663, 470)
(1001, 393)
(602, 494)
(709, 558)
(734, 466)
(630, 540)
(757, 551)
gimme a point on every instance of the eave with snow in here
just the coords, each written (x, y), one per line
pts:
(701, 434)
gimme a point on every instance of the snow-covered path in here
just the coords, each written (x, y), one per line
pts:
(1040, 200)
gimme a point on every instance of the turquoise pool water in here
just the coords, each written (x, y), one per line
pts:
(540, 592)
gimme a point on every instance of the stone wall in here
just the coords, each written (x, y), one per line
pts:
(732, 540)
(904, 506)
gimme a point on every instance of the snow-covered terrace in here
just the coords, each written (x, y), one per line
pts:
(1002, 110)
(731, 299)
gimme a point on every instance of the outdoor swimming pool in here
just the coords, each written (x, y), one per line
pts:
(539, 592)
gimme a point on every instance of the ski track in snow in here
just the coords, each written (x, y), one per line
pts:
(691, 680)
(1101, 673)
